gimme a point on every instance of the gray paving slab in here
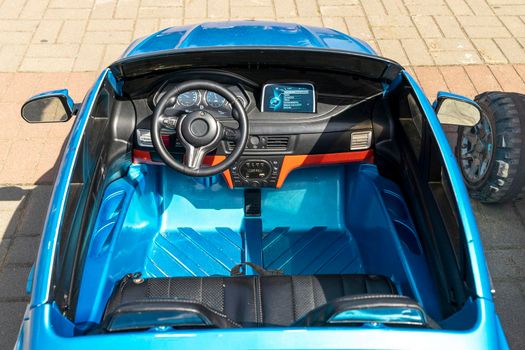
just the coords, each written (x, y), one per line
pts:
(13, 286)
(33, 215)
(10, 317)
(510, 304)
(499, 225)
(23, 250)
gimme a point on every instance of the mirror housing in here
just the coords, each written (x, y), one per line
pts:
(48, 107)
(452, 109)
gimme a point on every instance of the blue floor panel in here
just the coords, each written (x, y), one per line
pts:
(186, 252)
(316, 251)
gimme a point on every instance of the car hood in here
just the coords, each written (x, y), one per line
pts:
(246, 33)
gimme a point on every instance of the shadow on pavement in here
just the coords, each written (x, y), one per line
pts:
(22, 214)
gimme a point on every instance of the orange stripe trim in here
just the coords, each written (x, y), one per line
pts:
(144, 157)
(292, 162)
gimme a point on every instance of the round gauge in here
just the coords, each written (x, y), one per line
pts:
(214, 100)
(188, 98)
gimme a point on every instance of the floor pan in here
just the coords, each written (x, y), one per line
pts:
(187, 252)
(316, 251)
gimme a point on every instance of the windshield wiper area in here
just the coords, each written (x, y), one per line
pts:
(371, 310)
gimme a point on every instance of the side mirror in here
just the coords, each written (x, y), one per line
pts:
(48, 107)
(452, 109)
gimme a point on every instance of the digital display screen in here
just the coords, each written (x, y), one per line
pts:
(288, 97)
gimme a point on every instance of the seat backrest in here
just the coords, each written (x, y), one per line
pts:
(249, 301)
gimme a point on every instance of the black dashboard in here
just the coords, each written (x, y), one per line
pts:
(299, 118)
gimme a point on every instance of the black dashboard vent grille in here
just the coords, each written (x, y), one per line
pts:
(277, 142)
(264, 143)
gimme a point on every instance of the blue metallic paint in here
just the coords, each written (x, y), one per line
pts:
(247, 33)
(45, 328)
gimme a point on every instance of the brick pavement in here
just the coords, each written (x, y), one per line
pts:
(465, 46)
(85, 35)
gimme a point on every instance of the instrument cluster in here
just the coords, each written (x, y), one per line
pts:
(203, 99)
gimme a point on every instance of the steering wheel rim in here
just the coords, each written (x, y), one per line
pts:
(214, 131)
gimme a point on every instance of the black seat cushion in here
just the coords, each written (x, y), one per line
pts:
(249, 301)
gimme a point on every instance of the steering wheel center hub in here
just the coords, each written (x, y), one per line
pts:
(199, 128)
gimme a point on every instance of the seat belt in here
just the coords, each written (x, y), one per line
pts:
(236, 270)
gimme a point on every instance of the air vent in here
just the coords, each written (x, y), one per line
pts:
(263, 143)
(360, 140)
(277, 143)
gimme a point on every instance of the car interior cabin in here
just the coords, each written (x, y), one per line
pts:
(335, 194)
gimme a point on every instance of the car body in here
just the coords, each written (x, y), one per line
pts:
(120, 180)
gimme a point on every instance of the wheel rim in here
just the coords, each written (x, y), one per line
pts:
(477, 147)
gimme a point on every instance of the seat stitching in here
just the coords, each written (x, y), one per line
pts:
(294, 307)
(201, 289)
(255, 299)
(260, 300)
(311, 280)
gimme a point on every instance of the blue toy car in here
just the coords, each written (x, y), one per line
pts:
(260, 185)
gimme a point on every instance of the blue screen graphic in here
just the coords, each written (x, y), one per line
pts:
(291, 98)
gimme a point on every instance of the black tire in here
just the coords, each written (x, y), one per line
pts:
(504, 179)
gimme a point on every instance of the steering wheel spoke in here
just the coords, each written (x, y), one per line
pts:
(194, 156)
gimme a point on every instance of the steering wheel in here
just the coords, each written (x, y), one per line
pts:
(199, 132)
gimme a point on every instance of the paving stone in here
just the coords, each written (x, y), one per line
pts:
(89, 57)
(358, 26)
(520, 210)
(393, 49)
(487, 32)
(127, 9)
(499, 225)
(72, 31)
(506, 264)
(23, 250)
(10, 320)
(431, 80)
(13, 284)
(449, 26)
(4, 246)
(508, 78)
(458, 80)
(341, 10)
(11, 57)
(283, 8)
(459, 7)
(8, 222)
(417, 52)
(101, 37)
(489, 51)
(482, 78)
(514, 24)
(427, 27)
(251, 12)
(510, 305)
(512, 50)
(307, 8)
(395, 33)
(445, 58)
(337, 23)
(33, 216)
